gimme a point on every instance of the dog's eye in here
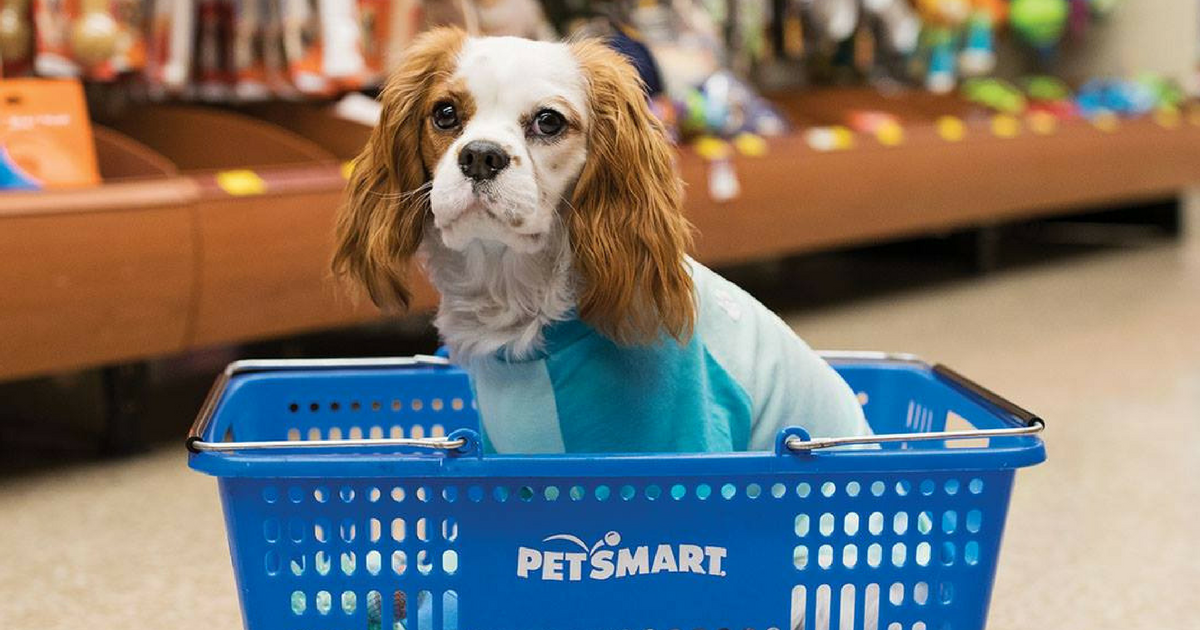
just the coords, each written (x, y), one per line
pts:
(548, 123)
(445, 116)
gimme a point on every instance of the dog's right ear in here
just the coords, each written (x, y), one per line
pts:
(381, 224)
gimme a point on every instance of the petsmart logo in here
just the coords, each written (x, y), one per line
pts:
(605, 560)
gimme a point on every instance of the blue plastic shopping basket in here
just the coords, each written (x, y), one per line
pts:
(356, 496)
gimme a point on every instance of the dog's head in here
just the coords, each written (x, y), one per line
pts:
(505, 140)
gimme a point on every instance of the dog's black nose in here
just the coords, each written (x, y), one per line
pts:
(482, 160)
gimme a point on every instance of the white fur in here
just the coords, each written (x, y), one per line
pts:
(499, 254)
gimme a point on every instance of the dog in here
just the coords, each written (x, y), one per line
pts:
(538, 191)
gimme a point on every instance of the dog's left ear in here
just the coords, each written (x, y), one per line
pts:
(626, 222)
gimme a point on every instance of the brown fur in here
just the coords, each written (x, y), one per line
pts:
(628, 232)
(381, 225)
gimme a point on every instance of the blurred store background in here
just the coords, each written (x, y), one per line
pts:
(1004, 185)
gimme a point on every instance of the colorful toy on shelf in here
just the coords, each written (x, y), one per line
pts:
(1106, 97)
(978, 55)
(943, 24)
(1040, 23)
(898, 24)
(1050, 95)
(725, 106)
(995, 94)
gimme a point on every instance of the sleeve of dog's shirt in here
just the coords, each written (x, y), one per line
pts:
(787, 382)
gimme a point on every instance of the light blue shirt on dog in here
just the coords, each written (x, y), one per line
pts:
(740, 378)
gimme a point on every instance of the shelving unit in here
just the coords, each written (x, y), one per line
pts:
(215, 227)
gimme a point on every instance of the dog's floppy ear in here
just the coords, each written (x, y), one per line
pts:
(381, 225)
(627, 227)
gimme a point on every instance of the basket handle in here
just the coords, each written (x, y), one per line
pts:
(458, 442)
(1026, 423)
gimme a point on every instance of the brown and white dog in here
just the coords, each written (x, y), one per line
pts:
(540, 191)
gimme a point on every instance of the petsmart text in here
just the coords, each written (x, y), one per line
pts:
(605, 560)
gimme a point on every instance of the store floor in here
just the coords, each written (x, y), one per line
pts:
(1106, 347)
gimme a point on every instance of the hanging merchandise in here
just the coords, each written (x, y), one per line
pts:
(16, 37)
(170, 47)
(944, 21)
(518, 18)
(52, 27)
(894, 29)
(1041, 24)
(978, 56)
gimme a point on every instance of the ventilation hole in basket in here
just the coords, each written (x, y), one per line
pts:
(678, 492)
(828, 489)
(825, 556)
(920, 593)
(895, 626)
(920, 625)
(728, 491)
(397, 494)
(922, 554)
(925, 522)
(803, 490)
(417, 404)
(355, 405)
(863, 398)
(293, 407)
(602, 492)
(896, 594)
(349, 602)
(900, 523)
(424, 610)
(971, 553)
(399, 562)
(456, 404)
(395, 405)
(753, 491)
(423, 494)
(878, 488)
(375, 432)
(853, 489)
(416, 432)
(802, 525)
(314, 434)
(778, 490)
(298, 564)
(271, 562)
(825, 524)
(850, 524)
(299, 602)
(799, 603)
(322, 562)
(437, 404)
(335, 433)
(348, 530)
(475, 494)
(314, 407)
(335, 406)
(398, 529)
(321, 529)
(437, 431)
(976, 486)
(450, 562)
(450, 529)
(577, 493)
(948, 554)
(875, 523)
(703, 491)
(424, 566)
(373, 494)
(349, 563)
(850, 556)
(293, 434)
(450, 610)
(899, 554)
(846, 618)
(903, 487)
(271, 530)
(396, 432)
(551, 493)
(355, 433)
(525, 493)
(423, 529)
(927, 487)
(373, 562)
(450, 494)
(871, 607)
(874, 555)
(296, 530)
(950, 521)
(376, 405)
(321, 494)
(974, 521)
(800, 557)
(946, 593)
(500, 493)
(346, 493)
(653, 492)
(822, 608)
(374, 610)
(399, 610)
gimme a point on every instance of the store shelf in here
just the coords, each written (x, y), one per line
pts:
(215, 227)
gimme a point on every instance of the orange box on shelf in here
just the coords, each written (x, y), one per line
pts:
(45, 135)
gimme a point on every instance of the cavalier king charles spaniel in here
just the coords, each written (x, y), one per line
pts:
(537, 189)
